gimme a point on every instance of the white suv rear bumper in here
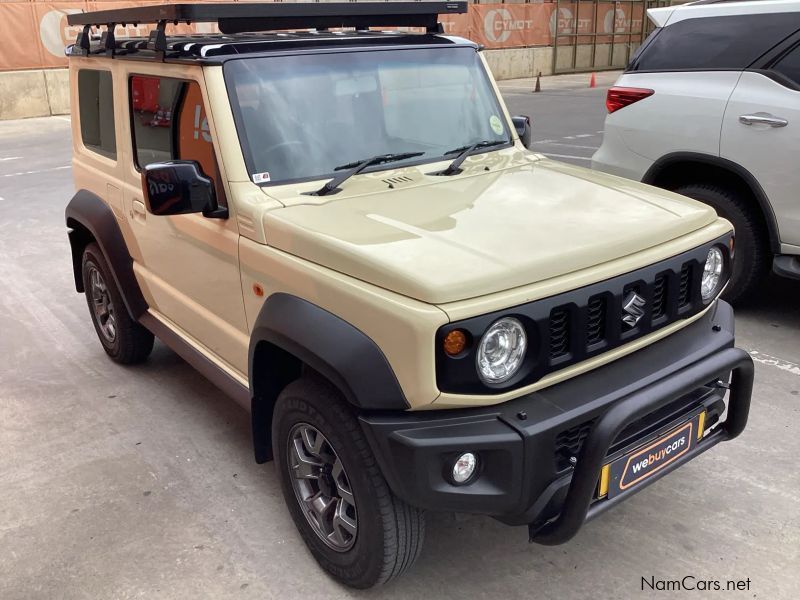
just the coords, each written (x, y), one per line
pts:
(616, 158)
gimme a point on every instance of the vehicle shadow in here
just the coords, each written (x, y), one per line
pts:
(779, 298)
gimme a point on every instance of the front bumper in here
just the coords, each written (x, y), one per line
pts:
(524, 444)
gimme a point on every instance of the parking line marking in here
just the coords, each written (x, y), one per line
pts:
(584, 135)
(566, 156)
(774, 361)
(9, 158)
(36, 172)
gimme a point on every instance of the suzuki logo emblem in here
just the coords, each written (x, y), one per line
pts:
(633, 309)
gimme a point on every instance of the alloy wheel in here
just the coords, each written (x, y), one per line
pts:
(103, 308)
(322, 487)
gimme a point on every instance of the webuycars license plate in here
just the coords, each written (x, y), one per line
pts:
(636, 466)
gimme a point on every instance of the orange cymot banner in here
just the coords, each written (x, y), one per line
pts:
(34, 33)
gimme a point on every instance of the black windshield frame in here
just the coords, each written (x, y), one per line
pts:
(241, 130)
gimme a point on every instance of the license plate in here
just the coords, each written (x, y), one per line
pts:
(636, 466)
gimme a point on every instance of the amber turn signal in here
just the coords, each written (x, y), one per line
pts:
(455, 342)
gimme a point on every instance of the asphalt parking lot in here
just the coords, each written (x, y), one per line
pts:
(140, 483)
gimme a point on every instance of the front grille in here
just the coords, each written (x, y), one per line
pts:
(559, 333)
(600, 318)
(574, 326)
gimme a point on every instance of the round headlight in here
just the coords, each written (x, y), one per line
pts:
(712, 274)
(501, 350)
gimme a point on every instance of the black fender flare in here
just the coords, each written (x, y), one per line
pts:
(87, 212)
(749, 180)
(323, 342)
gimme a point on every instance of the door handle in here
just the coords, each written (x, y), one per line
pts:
(763, 119)
(138, 211)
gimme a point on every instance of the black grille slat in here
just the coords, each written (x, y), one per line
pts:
(569, 443)
(559, 332)
(596, 318)
(660, 297)
(685, 285)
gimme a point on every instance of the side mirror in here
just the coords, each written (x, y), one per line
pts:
(523, 126)
(179, 187)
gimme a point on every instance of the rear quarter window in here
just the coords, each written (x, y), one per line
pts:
(710, 43)
(96, 112)
(789, 65)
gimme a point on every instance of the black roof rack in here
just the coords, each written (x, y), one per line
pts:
(242, 17)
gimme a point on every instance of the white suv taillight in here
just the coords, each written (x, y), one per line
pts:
(620, 97)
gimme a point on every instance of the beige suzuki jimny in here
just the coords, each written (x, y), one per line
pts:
(328, 211)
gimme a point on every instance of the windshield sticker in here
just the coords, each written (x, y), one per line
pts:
(496, 124)
(260, 177)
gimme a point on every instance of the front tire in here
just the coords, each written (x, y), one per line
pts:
(123, 339)
(751, 261)
(354, 526)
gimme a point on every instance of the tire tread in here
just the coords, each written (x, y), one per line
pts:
(135, 342)
(403, 525)
(753, 259)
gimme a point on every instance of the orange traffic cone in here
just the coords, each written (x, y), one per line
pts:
(593, 81)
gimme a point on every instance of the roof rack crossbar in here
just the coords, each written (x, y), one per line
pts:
(251, 17)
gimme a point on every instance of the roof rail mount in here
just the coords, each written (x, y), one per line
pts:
(275, 16)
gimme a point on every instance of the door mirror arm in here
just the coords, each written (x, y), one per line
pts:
(217, 212)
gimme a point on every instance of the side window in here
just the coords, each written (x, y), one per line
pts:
(170, 123)
(789, 65)
(712, 43)
(96, 109)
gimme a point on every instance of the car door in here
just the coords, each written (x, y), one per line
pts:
(761, 132)
(187, 265)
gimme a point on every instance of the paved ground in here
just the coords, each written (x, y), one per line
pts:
(139, 482)
(567, 114)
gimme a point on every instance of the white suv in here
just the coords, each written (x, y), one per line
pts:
(710, 107)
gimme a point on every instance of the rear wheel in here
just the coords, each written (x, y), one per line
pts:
(123, 339)
(352, 523)
(751, 260)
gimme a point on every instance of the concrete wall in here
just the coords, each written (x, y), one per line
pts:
(602, 56)
(43, 92)
(37, 93)
(23, 94)
(513, 63)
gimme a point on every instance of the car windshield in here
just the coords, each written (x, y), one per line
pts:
(299, 117)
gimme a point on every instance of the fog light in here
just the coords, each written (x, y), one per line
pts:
(464, 468)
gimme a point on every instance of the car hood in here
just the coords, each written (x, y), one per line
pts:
(443, 239)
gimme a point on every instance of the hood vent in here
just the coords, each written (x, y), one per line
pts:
(393, 181)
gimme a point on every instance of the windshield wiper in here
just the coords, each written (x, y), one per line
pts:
(354, 168)
(464, 152)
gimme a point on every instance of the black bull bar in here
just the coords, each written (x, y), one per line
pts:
(579, 506)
